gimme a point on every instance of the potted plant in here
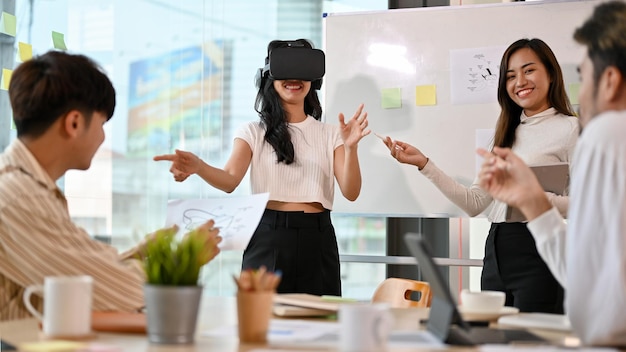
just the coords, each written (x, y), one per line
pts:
(172, 293)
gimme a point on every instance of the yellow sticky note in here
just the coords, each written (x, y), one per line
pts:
(572, 92)
(6, 78)
(58, 40)
(391, 98)
(426, 95)
(51, 346)
(8, 24)
(25, 51)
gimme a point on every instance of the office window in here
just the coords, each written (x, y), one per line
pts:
(183, 72)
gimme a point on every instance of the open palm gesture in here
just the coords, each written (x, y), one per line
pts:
(355, 129)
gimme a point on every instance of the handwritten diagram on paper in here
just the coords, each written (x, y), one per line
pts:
(236, 217)
(474, 75)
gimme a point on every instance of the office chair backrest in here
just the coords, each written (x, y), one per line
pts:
(403, 293)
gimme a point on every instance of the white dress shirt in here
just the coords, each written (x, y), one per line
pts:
(590, 262)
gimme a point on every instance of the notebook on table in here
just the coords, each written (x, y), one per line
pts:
(303, 304)
(286, 310)
(546, 321)
(110, 321)
(445, 321)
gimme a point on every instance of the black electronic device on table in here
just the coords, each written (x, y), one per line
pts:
(444, 320)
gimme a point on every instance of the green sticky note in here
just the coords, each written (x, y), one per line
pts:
(58, 40)
(6, 78)
(8, 24)
(25, 51)
(426, 95)
(391, 98)
(572, 93)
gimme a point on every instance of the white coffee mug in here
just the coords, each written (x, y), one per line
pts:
(66, 305)
(482, 301)
(365, 327)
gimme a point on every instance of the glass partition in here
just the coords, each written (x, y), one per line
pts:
(183, 73)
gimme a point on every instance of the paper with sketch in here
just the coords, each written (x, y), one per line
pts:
(237, 217)
(474, 75)
(285, 330)
(309, 334)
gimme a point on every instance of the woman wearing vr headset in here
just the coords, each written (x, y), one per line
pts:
(296, 158)
(537, 121)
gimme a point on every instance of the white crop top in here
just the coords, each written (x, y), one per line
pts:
(310, 178)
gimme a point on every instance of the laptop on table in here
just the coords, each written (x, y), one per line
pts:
(445, 321)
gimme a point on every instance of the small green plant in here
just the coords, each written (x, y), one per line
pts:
(171, 262)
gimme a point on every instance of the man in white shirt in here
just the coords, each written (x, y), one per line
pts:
(587, 256)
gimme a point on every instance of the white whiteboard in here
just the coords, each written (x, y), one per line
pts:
(369, 52)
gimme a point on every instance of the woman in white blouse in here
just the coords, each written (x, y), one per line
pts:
(537, 122)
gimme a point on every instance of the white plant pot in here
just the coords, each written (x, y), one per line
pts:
(172, 313)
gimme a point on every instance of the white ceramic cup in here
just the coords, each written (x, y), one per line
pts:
(66, 305)
(482, 301)
(365, 327)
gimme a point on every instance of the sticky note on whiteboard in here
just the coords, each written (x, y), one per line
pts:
(8, 24)
(391, 98)
(25, 51)
(426, 95)
(6, 78)
(58, 40)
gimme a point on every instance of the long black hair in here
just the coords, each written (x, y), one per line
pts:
(510, 114)
(272, 113)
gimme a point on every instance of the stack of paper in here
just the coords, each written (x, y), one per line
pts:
(302, 304)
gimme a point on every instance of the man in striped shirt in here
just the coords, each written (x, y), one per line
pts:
(60, 103)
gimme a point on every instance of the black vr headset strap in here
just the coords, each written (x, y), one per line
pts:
(317, 84)
(261, 74)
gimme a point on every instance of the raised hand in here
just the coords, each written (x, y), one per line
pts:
(355, 128)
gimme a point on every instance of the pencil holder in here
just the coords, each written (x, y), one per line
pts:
(254, 310)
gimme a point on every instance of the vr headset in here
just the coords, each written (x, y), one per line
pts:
(293, 61)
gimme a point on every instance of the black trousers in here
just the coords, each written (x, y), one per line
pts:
(513, 265)
(303, 246)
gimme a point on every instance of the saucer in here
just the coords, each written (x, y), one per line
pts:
(483, 316)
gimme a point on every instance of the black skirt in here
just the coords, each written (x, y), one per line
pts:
(302, 246)
(513, 265)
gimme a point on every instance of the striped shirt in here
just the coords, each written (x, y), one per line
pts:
(38, 239)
